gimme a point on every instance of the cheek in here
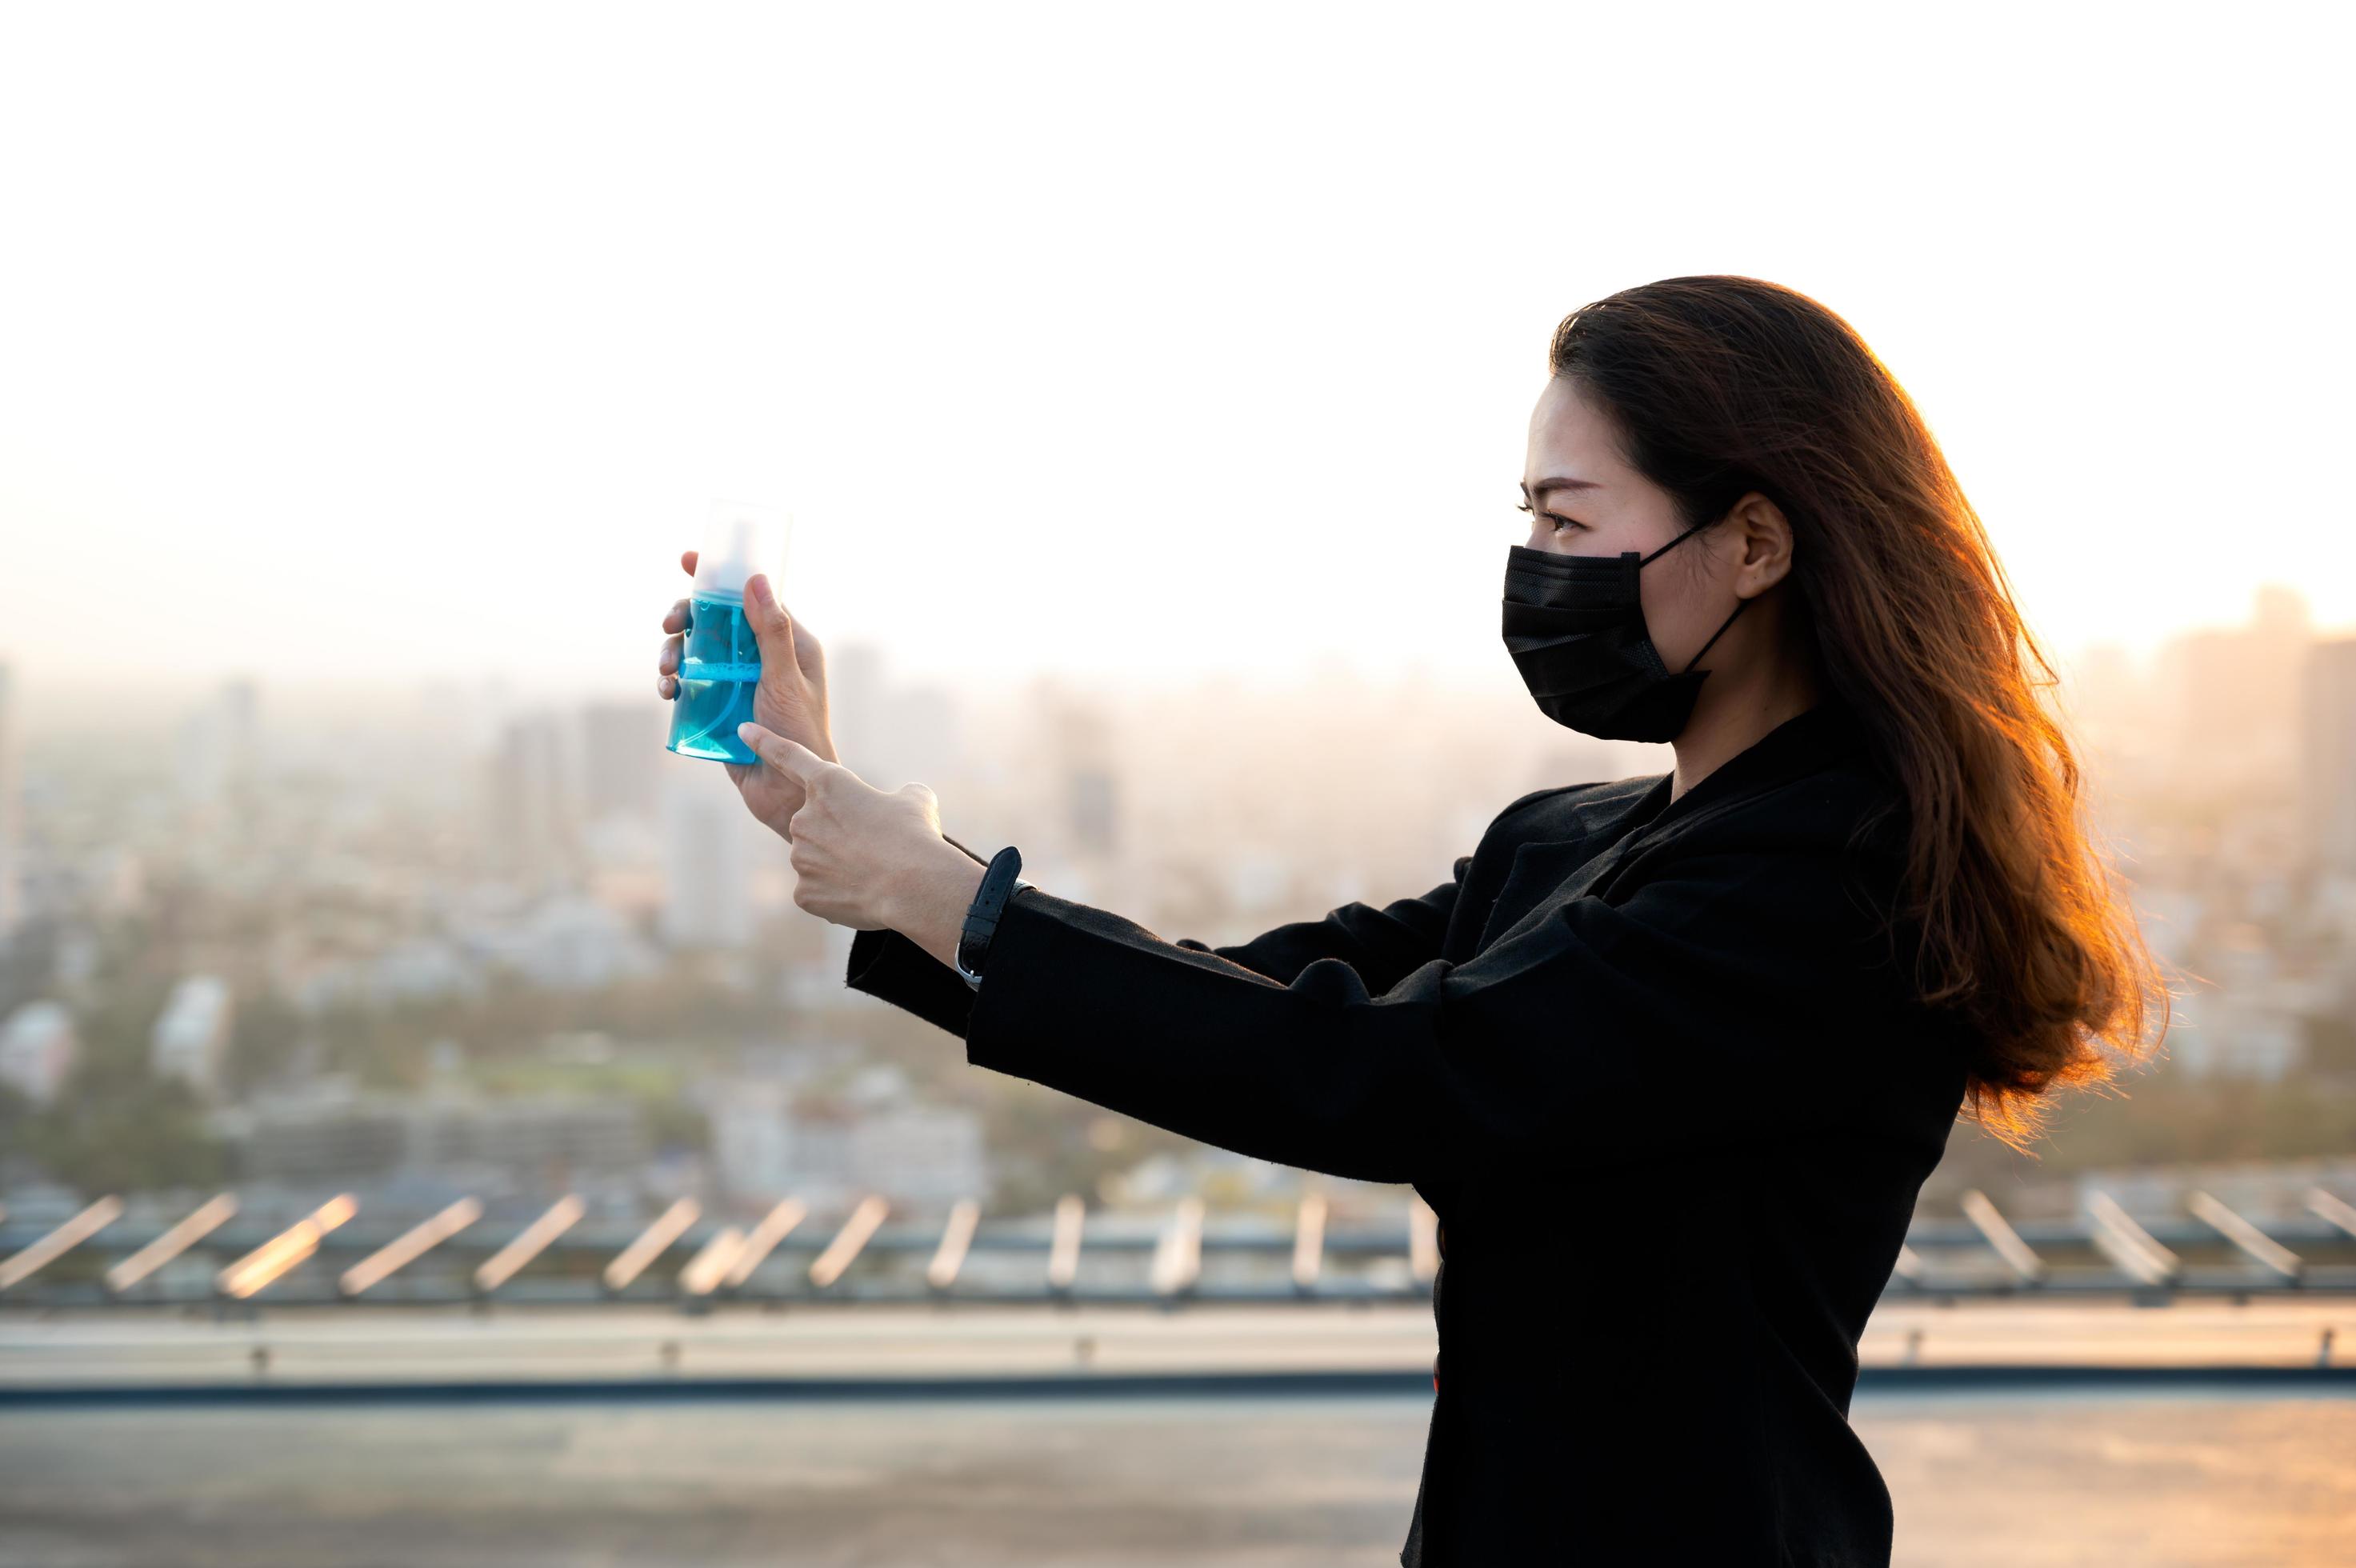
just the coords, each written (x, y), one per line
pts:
(1669, 615)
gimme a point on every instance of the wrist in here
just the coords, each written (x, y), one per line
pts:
(929, 906)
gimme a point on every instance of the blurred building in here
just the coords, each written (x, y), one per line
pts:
(568, 943)
(411, 968)
(766, 1141)
(220, 756)
(887, 733)
(621, 745)
(815, 984)
(2251, 1021)
(2236, 698)
(920, 1153)
(190, 1040)
(2327, 767)
(12, 799)
(855, 693)
(37, 1051)
(707, 865)
(1080, 748)
(754, 1149)
(526, 1144)
(533, 800)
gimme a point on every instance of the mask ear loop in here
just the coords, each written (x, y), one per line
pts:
(1672, 544)
(1739, 605)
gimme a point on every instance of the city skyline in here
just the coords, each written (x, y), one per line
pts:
(1142, 403)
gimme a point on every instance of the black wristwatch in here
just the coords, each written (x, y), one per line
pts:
(1000, 882)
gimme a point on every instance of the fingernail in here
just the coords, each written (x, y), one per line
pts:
(745, 732)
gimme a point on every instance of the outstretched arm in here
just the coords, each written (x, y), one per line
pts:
(1725, 997)
(1730, 990)
(1383, 945)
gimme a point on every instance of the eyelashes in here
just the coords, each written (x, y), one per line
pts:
(1559, 522)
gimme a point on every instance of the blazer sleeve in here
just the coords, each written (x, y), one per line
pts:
(1383, 945)
(1725, 996)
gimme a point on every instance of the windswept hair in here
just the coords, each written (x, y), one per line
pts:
(1723, 385)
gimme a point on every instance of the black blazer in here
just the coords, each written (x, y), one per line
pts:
(1669, 1095)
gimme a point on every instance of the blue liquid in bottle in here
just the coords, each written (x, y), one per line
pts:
(719, 663)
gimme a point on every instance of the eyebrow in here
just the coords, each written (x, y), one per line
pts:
(1562, 482)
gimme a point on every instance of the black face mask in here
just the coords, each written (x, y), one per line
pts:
(1575, 625)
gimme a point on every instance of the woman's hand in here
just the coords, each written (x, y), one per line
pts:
(869, 858)
(790, 699)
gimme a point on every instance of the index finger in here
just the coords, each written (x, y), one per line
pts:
(687, 561)
(786, 754)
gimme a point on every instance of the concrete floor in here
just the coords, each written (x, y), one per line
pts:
(2022, 1481)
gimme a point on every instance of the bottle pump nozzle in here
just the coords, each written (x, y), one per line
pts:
(737, 545)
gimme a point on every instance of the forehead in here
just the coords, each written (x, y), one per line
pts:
(1570, 434)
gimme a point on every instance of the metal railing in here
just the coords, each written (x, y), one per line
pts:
(338, 1253)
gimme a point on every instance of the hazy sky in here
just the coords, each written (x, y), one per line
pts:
(412, 341)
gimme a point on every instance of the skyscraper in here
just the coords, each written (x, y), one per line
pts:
(534, 804)
(220, 750)
(2236, 698)
(38, 1048)
(190, 1040)
(12, 878)
(2328, 755)
(620, 745)
(707, 864)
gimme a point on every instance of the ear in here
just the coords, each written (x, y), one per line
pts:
(1763, 537)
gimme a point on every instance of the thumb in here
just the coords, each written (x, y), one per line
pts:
(772, 628)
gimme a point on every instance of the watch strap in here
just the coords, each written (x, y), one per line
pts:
(997, 884)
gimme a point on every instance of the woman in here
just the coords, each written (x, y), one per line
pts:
(1720, 1021)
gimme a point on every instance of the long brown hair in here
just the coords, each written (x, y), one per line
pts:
(1724, 385)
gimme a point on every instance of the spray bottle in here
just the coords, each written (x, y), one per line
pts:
(719, 661)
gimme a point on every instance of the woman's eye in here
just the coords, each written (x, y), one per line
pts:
(1559, 522)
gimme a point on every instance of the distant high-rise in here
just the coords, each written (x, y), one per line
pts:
(854, 701)
(2328, 755)
(1080, 744)
(241, 710)
(1094, 799)
(885, 732)
(37, 1051)
(220, 748)
(12, 874)
(621, 743)
(2236, 693)
(766, 1141)
(191, 1041)
(707, 864)
(535, 805)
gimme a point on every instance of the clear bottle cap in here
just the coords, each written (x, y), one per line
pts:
(742, 538)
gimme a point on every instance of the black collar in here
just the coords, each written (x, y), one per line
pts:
(1571, 841)
(1825, 736)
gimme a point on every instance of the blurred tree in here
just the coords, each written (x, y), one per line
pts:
(119, 1139)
